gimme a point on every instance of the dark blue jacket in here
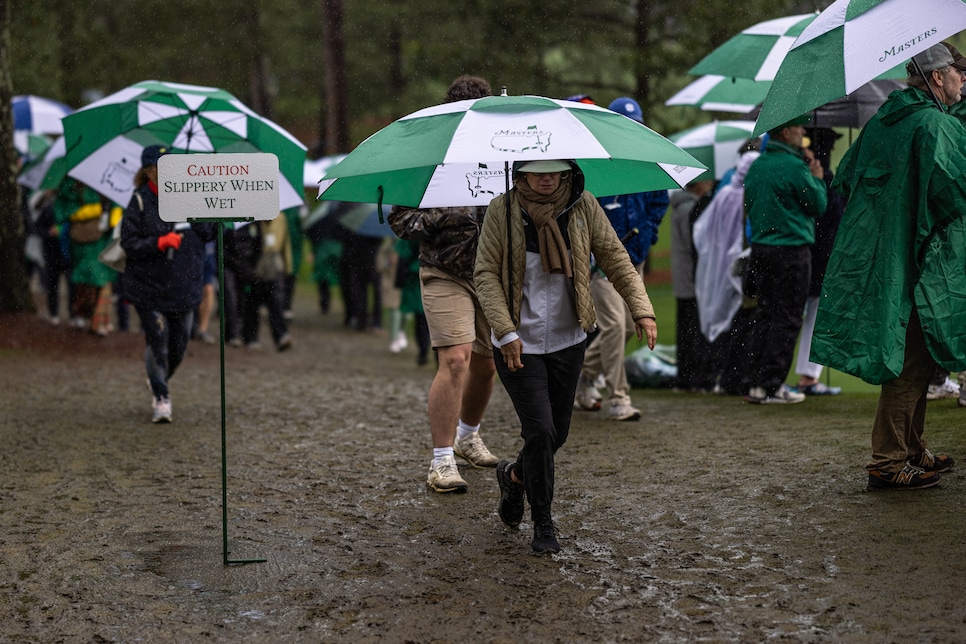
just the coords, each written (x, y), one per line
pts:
(152, 280)
(641, 210)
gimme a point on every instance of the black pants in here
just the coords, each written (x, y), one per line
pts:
(270, 295)
(357, 274)
(732, 351)
(781, 275)
(166, 336)
(695, 368)
(542, 393)
(421, 331)
(233, 293)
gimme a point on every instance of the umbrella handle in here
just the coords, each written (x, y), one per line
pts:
(382, 219)
(509, 238)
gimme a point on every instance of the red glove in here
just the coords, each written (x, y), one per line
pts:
(171, 240)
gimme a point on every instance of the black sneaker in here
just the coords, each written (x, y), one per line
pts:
(908, 478)
(511, 495)
(544, 537)
(932, 462)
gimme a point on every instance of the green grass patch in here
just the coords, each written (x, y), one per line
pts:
(665, 306)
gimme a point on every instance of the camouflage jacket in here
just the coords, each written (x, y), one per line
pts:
(447, 236)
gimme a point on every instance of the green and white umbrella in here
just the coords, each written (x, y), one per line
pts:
(457, 154)
(105, 139)
(715, 144)
(30, 146)
(851, 43)
(716, 93)
(48, 171)
(757, 51)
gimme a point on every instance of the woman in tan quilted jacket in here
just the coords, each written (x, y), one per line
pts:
(533, 280)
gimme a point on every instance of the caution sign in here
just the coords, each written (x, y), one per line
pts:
(218, 186)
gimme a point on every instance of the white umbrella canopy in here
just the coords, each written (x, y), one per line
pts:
(315, 168)
(756, 52)
(715, 93)
(851, 43)
(458, 154)
(716, 144)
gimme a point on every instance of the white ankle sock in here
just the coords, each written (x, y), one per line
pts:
(463, 430)
(441, 453)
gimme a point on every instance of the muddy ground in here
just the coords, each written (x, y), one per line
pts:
(710, 520)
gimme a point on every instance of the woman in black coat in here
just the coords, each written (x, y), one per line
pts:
(163, 279)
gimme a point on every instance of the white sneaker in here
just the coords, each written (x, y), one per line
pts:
(472, 450)
(784, 396)
(162, 410)
(587, 397)
(398, 343)
(445, 476)
(624, 411)
(948, 389)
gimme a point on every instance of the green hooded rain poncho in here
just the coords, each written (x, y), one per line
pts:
(901, 244)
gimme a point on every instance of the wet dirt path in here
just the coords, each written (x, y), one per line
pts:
(710, 520)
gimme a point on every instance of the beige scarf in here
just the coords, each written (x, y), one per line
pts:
(544, 210)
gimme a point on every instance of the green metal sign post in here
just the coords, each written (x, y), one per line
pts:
(221, 189)
(221, 328)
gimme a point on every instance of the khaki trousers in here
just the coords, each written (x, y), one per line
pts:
(900, 416)
(605, 355)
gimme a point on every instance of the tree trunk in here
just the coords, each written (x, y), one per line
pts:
(260, 94)
(70, 85)
(14, 288)
(642, 47)
(335, 127)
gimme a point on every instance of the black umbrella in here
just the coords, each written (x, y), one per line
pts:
(337, 219)
(852, 111)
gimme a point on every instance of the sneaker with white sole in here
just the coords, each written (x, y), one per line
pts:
(624, 411)
(587, 397)
(909, 477)
(929, 462)
(783, 396)
(948, 389)
(284, 343)
(445, 476)
(399, 343)
(161, 408)
(472, 450)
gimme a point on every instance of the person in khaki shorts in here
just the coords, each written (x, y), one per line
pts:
(461, 389)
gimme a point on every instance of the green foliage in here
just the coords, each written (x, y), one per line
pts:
(401, 55)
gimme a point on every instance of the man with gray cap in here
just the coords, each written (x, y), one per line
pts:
(890, 309)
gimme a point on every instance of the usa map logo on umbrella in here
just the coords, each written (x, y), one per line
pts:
(533, 138)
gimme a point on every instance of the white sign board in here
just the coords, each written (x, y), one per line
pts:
(218, 186)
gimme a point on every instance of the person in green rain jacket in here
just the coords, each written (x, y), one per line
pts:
(893, 303)
(79, 207)
(784, 194)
